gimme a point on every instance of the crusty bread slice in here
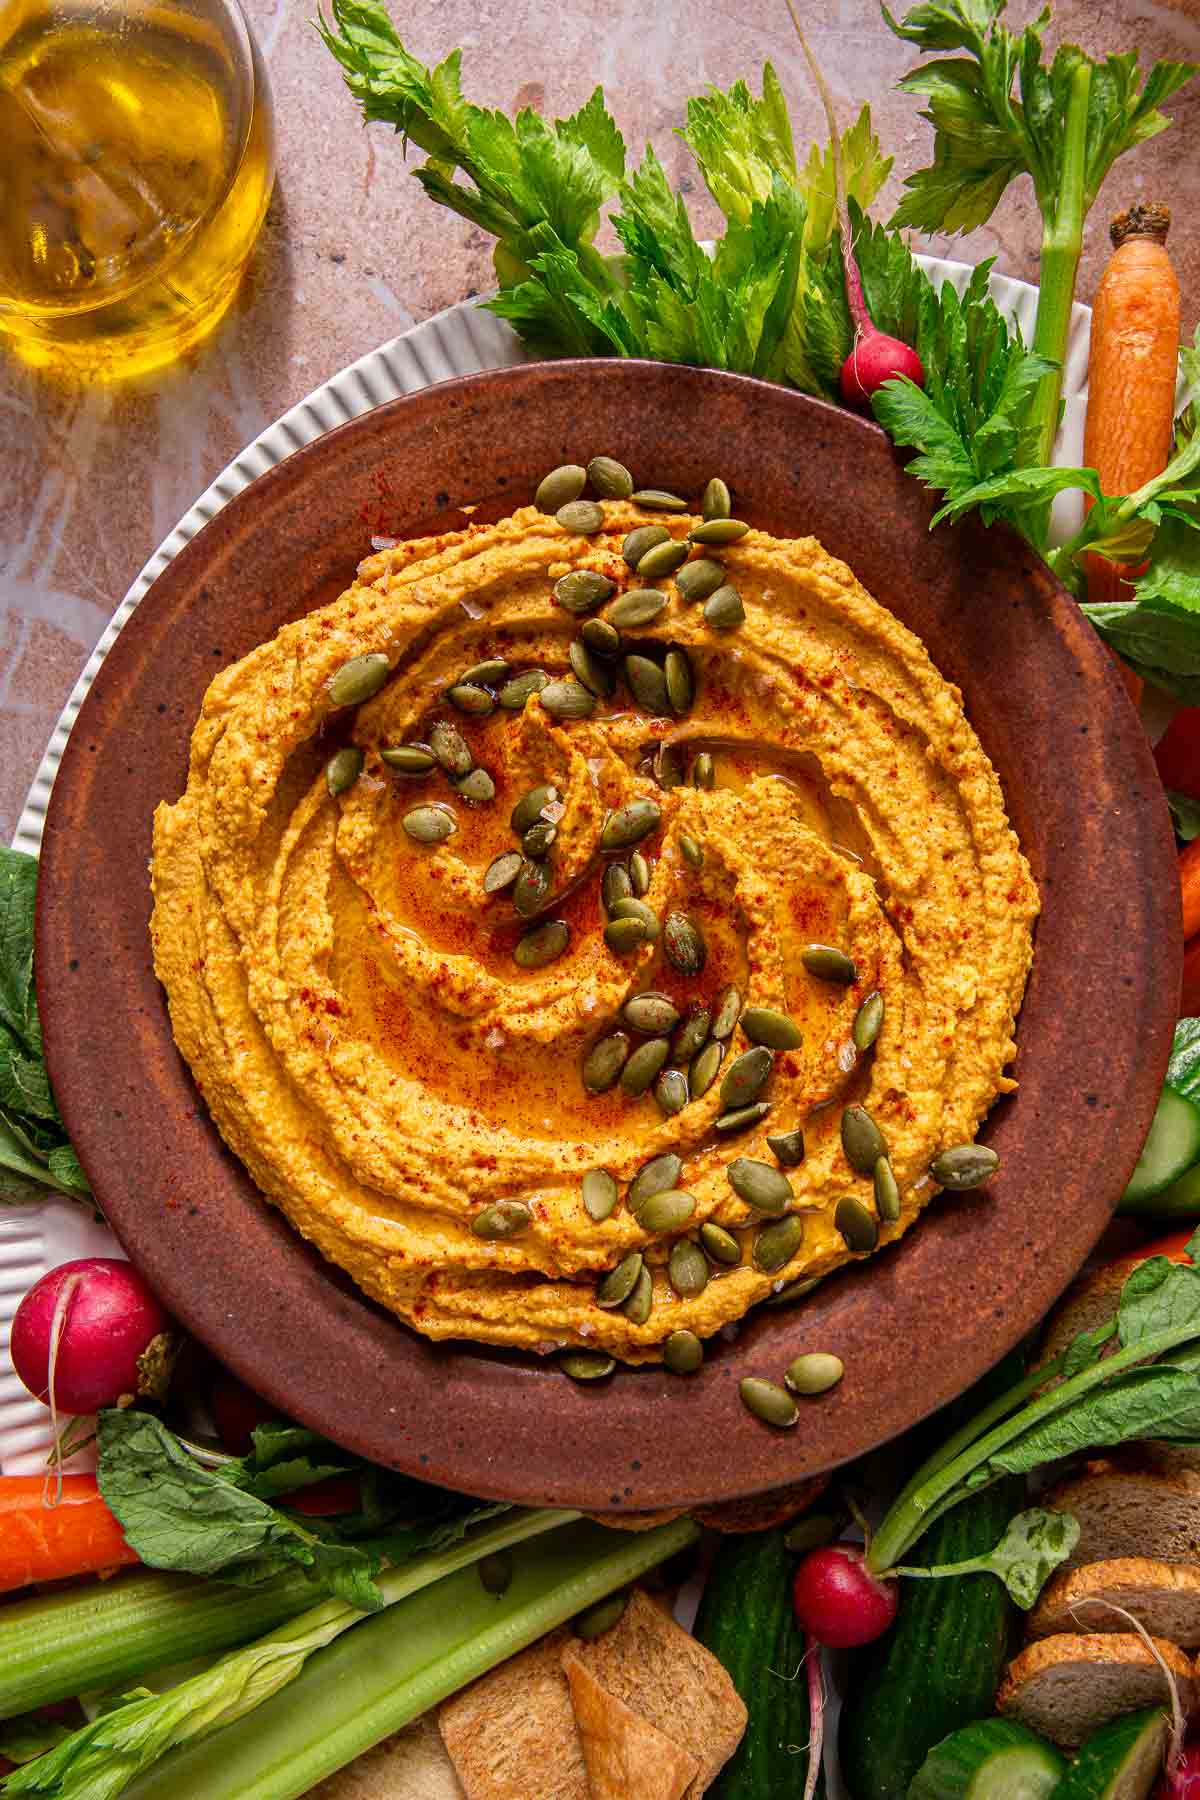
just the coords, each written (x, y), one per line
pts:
(413, 1765)
(1126, 1510)
(1163, 1597)
(1066, 1687)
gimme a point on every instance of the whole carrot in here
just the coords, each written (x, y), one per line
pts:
(1132, 366)
(44, 1542)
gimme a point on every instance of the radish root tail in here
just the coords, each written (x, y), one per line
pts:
(52, 1491)
(816, 1711)
(1178, 1724)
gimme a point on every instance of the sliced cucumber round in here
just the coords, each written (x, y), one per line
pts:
(993, 1759)
(1170, 1150)
(1121, 1762)
(1182, 1199)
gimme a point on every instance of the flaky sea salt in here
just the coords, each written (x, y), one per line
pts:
(847, 1056)
(471, 607)
(384, 543)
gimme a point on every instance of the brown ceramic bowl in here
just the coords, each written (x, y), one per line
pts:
(915, 1325)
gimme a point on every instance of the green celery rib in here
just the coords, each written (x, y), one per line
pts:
(53, 1646)
(385, 1672)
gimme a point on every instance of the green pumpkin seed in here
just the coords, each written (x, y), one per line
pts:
(620, 1282)
(667, 767)
(720, 1245)
(595, 675)
(532, 888)
(683, 1353)
(594, 1621)
(485, 674)
(792, 1291)
(638, 1306)
(604, 1062)
(857, 1226)
(586, 1365)
(567, 700)
(625, 935)
(582, 518)
(470, 699)
(887, 1191)
(815, 1373)
(559, 487)
(529, 807)
(867, 1021)
(726, 1013)
(862, 1140)
(634, 908)
(763, 1025)
(683, 944)
(717, 502)
(544, 944)
(477, 786)
(451, 749)
(643, 1066)
(630, 823)
(681, 682)
(692, 852)
(503, 1219)
(636, 607)
(600, 1195)
(704, 774)
(657, 1176)
(601, 638)
(360, 679)
(583, 589)
(812, 1532)
(669, 1211)
(687, 1269)
(742, 1117)
(639, 874)
(776, 1244)
(691, 1036)
(725, 610)
(746, 1076)
(788, 1148)
(651, 1013)
(658, 500)
(700, 579)
(828, 964)
(647, 684)
(502, 871)
(759, 1185)
(705, 1067)
(615, 885)
(343, 769)
(641, 539)
(429, 824)
(964, 1166)
(768, 1402)
(515, 694)
(718, 531)
(671, 1092)
(610, 479)
(539, 838)
(496, 1572)
(662, 559)
(409, 759)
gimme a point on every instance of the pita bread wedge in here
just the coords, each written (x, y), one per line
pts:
(656, 1669)
(413, 1765)
(627, 1757)
(511, 1735)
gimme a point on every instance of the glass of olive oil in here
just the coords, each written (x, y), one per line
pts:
(136, 163)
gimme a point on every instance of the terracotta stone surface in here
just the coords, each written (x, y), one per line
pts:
(353, 253)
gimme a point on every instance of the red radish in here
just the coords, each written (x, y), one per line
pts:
(874, 356)
(236, 1412)
(80, 1330)
(838, 1601)
(325, 1499)
(1181, 1782)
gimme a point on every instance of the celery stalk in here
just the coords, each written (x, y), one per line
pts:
(1062, 241)
(396, 1665)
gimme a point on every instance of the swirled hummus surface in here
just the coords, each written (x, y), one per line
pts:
(348, 998)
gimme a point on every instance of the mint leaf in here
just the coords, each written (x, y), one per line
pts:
(67, 1171)
(1185, 815)
(18, 1002)
(1183, 1070)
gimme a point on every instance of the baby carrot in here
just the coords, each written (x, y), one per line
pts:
(1132, 368)
(46, 1542)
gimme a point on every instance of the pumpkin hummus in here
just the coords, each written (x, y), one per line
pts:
(348, 998)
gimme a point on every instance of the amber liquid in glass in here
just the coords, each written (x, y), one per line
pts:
(136, 163)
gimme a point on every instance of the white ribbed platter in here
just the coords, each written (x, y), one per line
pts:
(460, 341)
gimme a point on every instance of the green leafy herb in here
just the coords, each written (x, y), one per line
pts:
(203, 1521)
(1185, 815)
(1183, 1070)
(21, 1740)
(1033, 1546)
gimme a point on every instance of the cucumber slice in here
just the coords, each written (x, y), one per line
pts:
(1121, 1762)
(994, 1759)
(1182, 1199)
(1171, 1148)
